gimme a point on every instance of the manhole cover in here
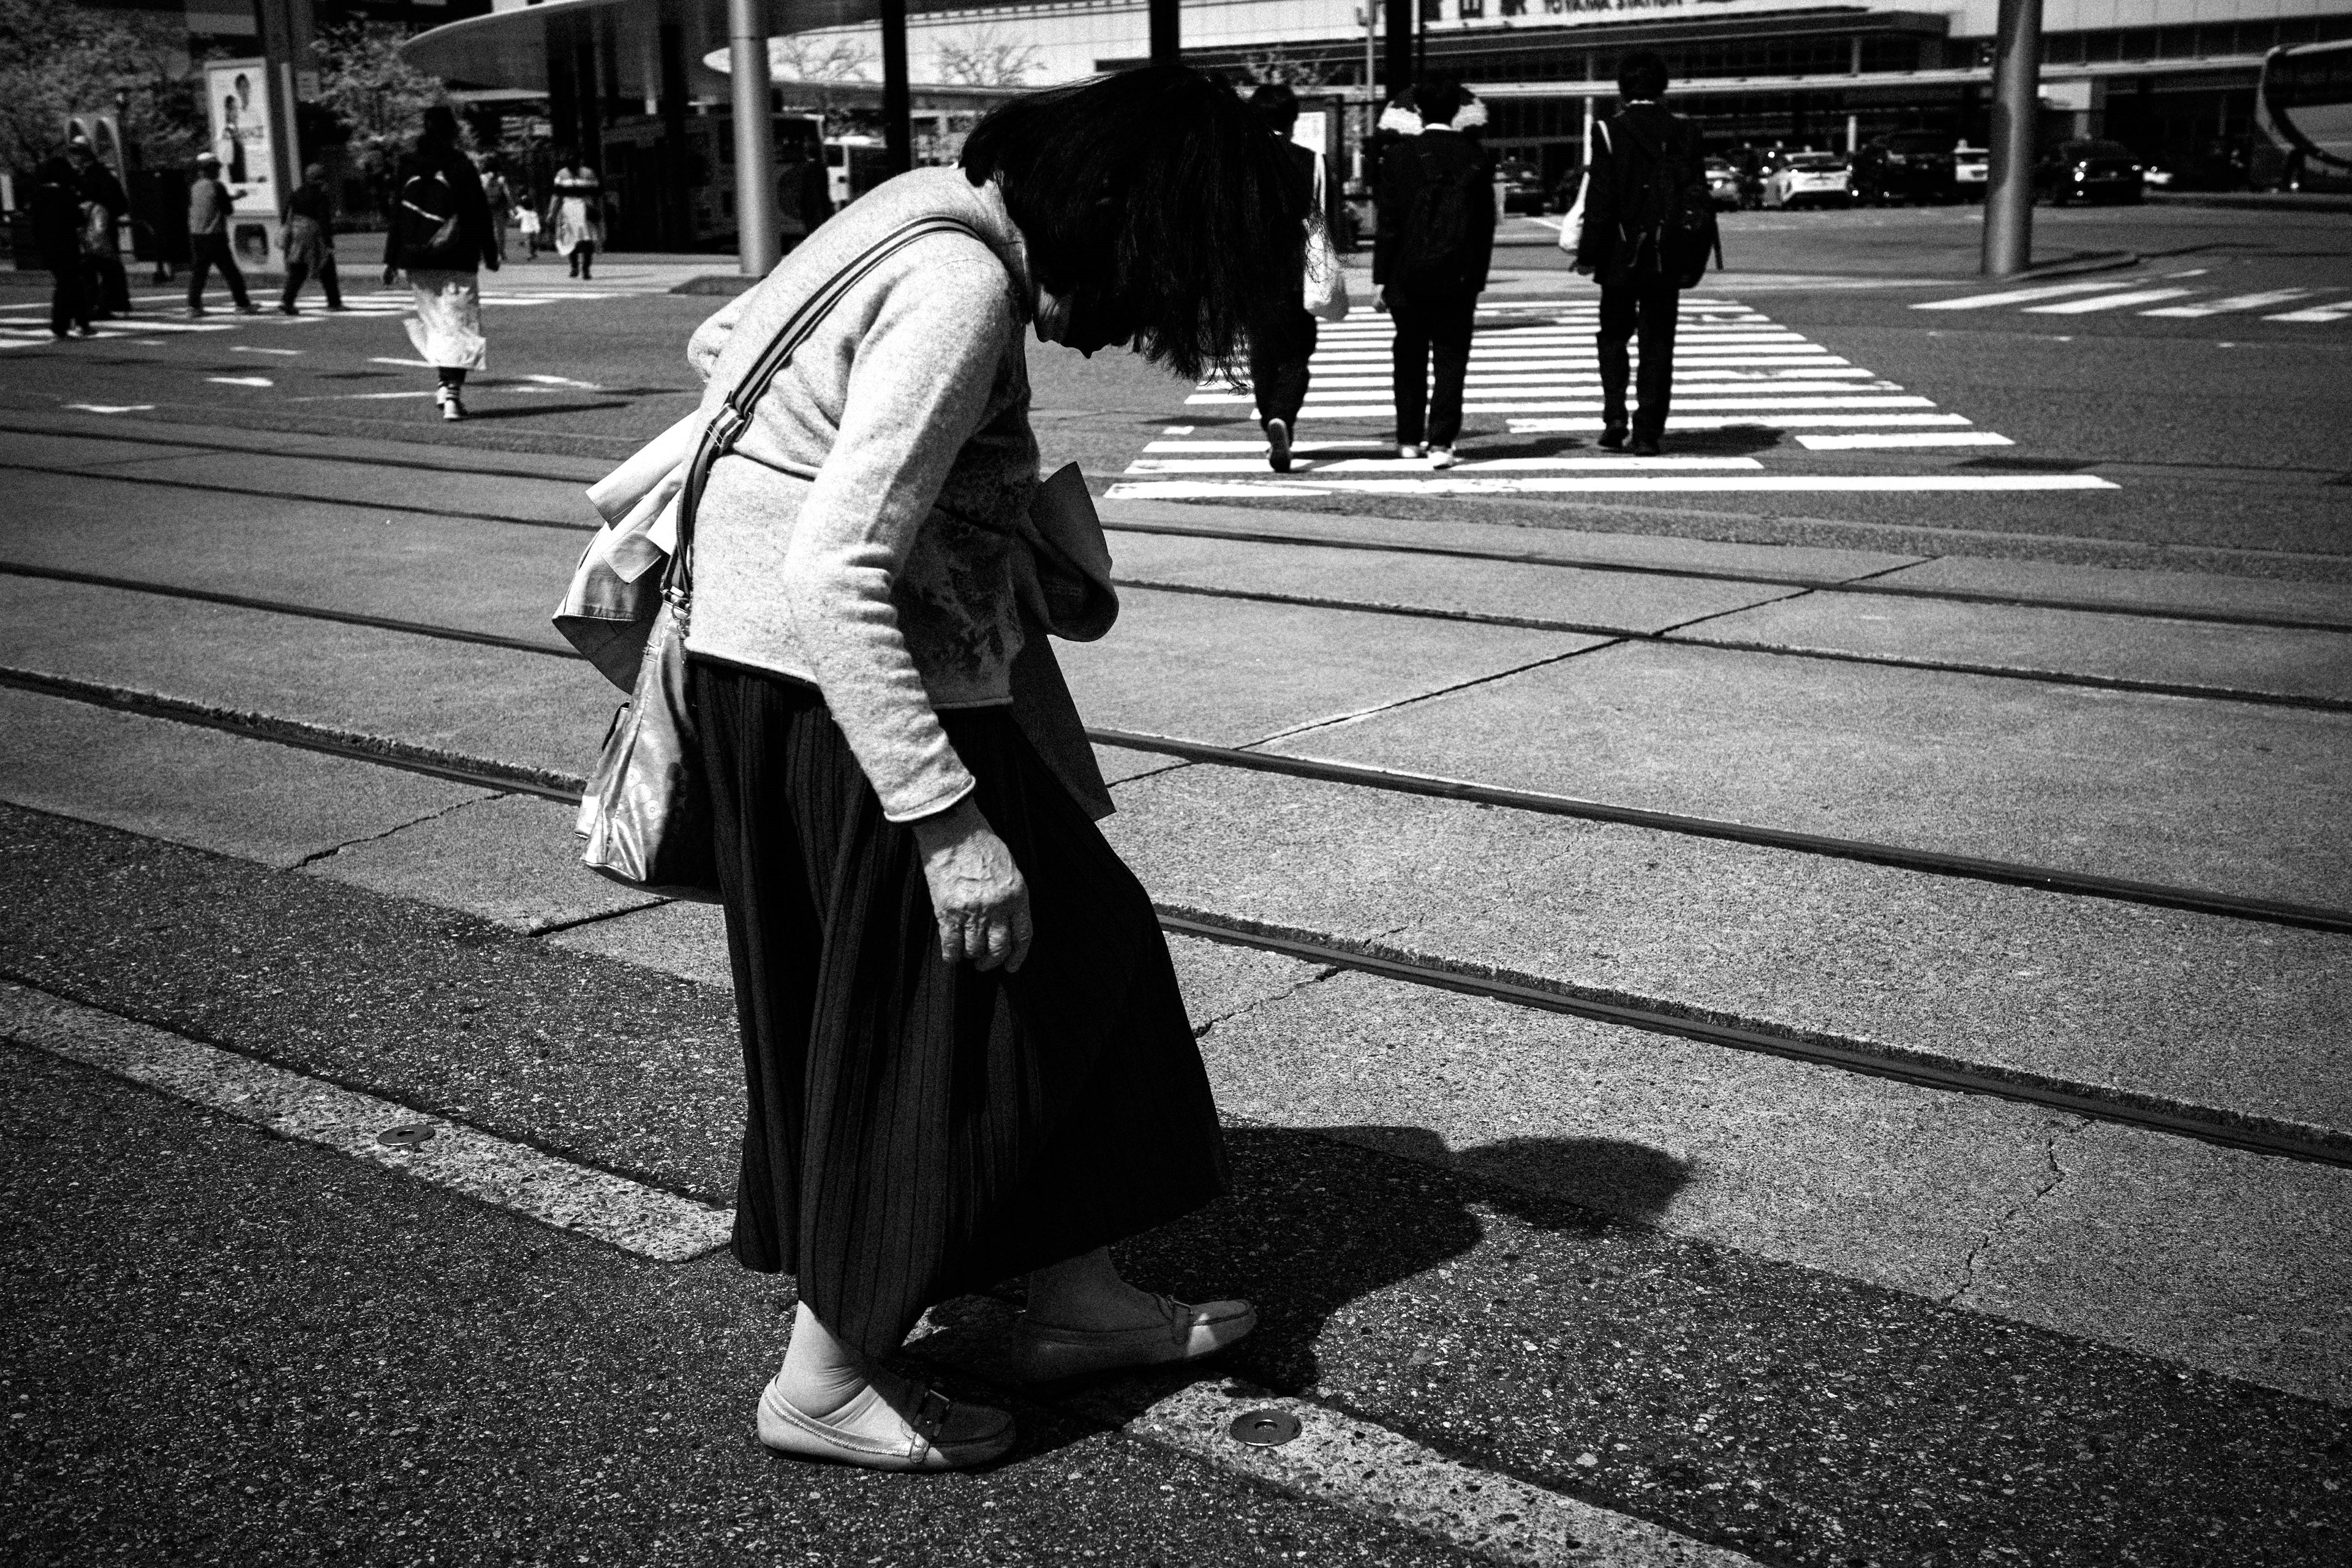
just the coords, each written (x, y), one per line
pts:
(411, 1136)
(1264, 1429)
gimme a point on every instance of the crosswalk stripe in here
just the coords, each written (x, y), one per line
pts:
(2234, 302)
(1679, 421)
(2316, 314)
(1444, 482)
(1420, 465)
(1923, 438)
(2109, 302)
(2016, 296)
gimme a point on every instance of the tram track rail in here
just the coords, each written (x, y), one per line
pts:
(2054, 879)
(2254, 1133)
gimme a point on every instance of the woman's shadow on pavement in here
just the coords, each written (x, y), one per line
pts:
(1318, 1220)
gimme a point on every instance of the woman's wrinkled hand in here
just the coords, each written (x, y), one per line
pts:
(978, 894)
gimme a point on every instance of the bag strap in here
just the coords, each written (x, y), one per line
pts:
(734, 416)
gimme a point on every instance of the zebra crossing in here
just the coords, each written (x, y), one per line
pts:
(2084, 296)
(163, 315)
(1742, 382)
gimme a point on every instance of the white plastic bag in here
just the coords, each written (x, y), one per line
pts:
(1327, 279)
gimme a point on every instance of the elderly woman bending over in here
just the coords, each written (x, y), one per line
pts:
(965, 1051)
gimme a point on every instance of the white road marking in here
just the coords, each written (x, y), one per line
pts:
(411, 364)
(1925, 438)
(2234, 302)
(2018, 296)
(1421, 465)
(1257, 446)
(250, 349)
(2336, 313)
(241, 380)
(1678, 421)
(2109, 302)
(1457, 483)
(628, 1215)
(112, 407)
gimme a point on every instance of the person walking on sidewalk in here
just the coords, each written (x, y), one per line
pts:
(438, 231)
(967, 1054)
(56, 202)
(501, 197)
(1430, 256)
(308, 242)
(1280, 359)
(577, 215)
(209, 205)
(104, 204)
(1647, 174)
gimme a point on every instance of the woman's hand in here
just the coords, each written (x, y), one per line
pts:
(977, 892)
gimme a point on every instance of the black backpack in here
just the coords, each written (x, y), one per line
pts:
(425, 220)
(1669, 231)
(1442, 227)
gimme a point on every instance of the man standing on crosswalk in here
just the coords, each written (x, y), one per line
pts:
(1646, 172)
(1431, 250)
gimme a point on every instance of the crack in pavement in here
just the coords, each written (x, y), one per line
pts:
(2053, 1176)
(328, 853)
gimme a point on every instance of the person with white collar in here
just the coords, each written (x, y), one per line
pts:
(1430, 259)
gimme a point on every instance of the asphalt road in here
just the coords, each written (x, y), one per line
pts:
(1794, 1022)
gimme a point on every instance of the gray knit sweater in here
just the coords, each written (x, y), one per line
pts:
(861, 538)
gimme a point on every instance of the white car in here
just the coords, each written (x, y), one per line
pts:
(1809, 179)
(1971, 172)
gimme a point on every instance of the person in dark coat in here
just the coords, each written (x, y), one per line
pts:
(56, 201)
(1278, 359)
(1436, 241)
(309, 241)
(1629, 244)
(446, 283)
(110, 288)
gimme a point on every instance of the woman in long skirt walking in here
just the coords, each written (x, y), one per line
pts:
(966, 1055)
(439, 233)
(578, 214)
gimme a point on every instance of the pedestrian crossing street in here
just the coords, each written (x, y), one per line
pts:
(1742, 381)
(2172, 298)
(165, 314)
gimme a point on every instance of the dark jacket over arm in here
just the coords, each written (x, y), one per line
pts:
(1414, 176)
(480, 243)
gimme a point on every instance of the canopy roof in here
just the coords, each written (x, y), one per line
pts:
(508, 49)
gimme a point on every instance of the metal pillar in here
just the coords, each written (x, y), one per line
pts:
(677, 213)
(1401, 51)
(1167, 33)
(759, 244)
(286, 28)
(2017, 101)
(897, 114)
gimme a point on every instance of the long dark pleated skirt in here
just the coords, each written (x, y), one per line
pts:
(916, 1130)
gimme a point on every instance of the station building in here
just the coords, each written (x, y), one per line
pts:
(2174, 80)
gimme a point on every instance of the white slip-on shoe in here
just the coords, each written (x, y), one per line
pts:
(1187, 1333)
(451, 409)
(1441, 458)
(1277, 445)
(935, 1433)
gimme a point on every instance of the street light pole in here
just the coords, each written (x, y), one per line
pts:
(2017, 103)
(757, 244)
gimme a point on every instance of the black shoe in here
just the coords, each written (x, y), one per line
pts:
(1278, 443)
(289, 310)
(1645, 446)
(1613, 438)
(247, 307)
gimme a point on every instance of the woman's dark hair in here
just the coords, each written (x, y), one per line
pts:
(1438, 101)
(1155, 202)
(1641, 74)
(440, 129)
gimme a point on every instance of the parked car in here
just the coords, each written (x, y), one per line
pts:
(2089, 171)
(1971, 172)
(1521, 185)
(1810, 180)
(1904, 166)
(1723, 184)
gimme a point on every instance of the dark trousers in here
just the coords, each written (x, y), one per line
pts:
(109, 290)
(297, 274)
(1651, 308)
(1278, 369)
(206, 251)
(69, 296)
(1427, 325)
(584, 259)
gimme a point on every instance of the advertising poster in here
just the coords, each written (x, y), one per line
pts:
(237, 101)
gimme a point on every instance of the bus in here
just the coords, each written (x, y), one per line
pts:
(2304, 109)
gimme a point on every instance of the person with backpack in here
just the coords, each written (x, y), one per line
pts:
(1648, 223)
(104, 205)
(209, 205)
(438, 231)
(1278, 359)
(1435, 240)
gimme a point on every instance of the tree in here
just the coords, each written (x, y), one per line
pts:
(1272, 66)
(815, 62)
(58, 60)
(986, 57)
(377, 99)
